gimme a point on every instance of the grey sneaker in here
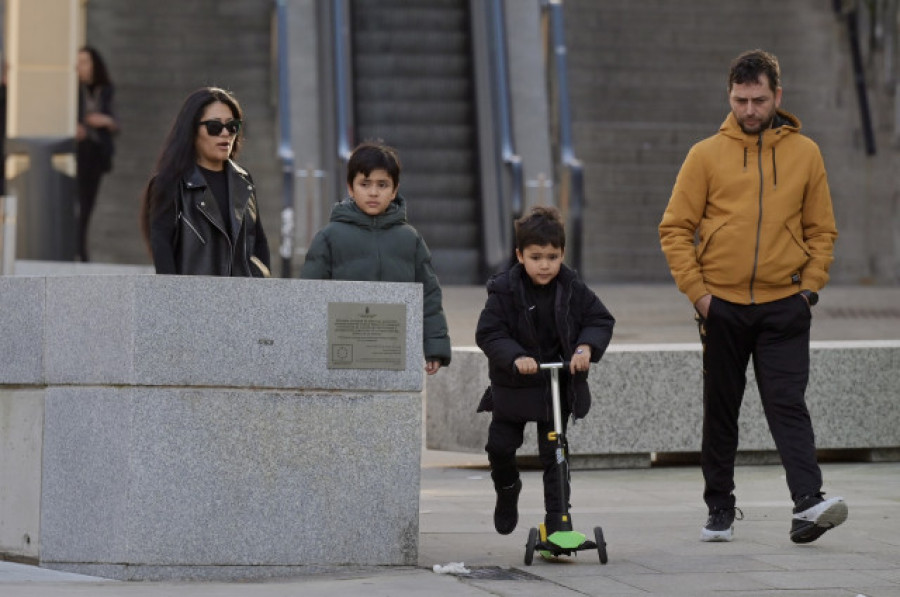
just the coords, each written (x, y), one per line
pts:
(813, 515)
(720, 524)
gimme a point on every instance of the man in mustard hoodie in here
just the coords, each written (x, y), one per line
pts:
(749, 236)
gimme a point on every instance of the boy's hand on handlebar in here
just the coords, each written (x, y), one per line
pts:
(526, 365)
(581, 360)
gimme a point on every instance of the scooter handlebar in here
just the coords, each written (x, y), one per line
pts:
(557, 365)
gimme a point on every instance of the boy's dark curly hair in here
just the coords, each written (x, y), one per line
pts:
(541, 226)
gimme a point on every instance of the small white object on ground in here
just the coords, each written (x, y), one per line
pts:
(451, 568)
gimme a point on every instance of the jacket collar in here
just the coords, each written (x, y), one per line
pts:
(514, 280)
(240, 190)
(784, 123)
(347, 212)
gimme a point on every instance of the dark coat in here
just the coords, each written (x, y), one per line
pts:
(383, 248)
(95, 151)
(188, 236)
(506, 332)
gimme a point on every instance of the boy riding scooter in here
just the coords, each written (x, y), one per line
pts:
(537, 311)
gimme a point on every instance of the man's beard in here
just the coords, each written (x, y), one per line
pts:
(762, 126)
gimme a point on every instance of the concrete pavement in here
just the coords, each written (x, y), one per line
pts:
(651, 518)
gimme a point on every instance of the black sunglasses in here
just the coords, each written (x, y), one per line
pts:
(214, 127)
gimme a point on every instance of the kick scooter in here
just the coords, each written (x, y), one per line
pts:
(562, 542)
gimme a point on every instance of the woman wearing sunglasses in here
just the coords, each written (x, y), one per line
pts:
(199, 213)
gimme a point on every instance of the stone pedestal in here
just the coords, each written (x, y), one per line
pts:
(188, 427)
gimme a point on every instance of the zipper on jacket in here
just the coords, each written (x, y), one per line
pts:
(759, 218)
(376, 232)
(191, 226)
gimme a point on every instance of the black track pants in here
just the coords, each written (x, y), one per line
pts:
(776, 335)
(504, 438)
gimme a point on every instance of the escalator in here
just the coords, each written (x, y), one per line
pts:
(413, 88)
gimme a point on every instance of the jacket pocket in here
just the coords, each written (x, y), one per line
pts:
(707, 232)
(797, 239)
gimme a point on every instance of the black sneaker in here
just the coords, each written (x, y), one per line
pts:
(720, 524)
(506, 513)
(813, 515)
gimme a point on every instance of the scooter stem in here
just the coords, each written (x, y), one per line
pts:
(554, 393)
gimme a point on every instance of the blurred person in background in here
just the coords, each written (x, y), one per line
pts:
(94, 136)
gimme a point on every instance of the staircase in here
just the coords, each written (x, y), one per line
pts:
(648, 79)
(413, 80)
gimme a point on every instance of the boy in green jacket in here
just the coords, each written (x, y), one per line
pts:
(369, 239)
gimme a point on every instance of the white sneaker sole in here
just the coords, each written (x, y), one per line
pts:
(716, 536)
(827, 515)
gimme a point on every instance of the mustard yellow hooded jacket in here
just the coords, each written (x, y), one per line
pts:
(750, 218)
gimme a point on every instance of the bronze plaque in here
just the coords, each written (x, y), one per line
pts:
(366, 336)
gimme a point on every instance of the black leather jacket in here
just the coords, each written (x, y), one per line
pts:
(188, 236)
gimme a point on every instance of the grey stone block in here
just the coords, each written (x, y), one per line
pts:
(22, 330)
(206, 331)
(277, 339)
(30, 267)
(89, 329)
(227, 477)
(21, 434)
(648, 398)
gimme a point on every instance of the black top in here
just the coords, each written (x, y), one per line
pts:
(218, 186)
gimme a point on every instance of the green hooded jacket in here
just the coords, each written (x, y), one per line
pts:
(383, 248)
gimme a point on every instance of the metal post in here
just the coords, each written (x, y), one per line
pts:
(285, 149)
(8, 234)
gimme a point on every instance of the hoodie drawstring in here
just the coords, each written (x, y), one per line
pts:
(774, 170)
(745, 159)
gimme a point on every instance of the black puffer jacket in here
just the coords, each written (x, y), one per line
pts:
(506, 332)
(188, 236)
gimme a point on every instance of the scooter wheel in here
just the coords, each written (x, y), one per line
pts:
(601, 544)
(529, 546)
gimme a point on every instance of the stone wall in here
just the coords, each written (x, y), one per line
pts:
(647, 401)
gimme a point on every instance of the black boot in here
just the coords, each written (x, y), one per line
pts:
(557, 521)
(506, 513)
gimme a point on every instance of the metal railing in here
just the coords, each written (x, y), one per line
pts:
(570, 170)
(512, 162)
(501, 174)
(285, 147)
(850, 14)
(343, 80)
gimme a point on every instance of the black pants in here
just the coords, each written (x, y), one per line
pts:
(505, 437)
(776, 335)
(90, 172)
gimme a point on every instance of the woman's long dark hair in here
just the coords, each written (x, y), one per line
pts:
(179, 155)
(100, 74)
